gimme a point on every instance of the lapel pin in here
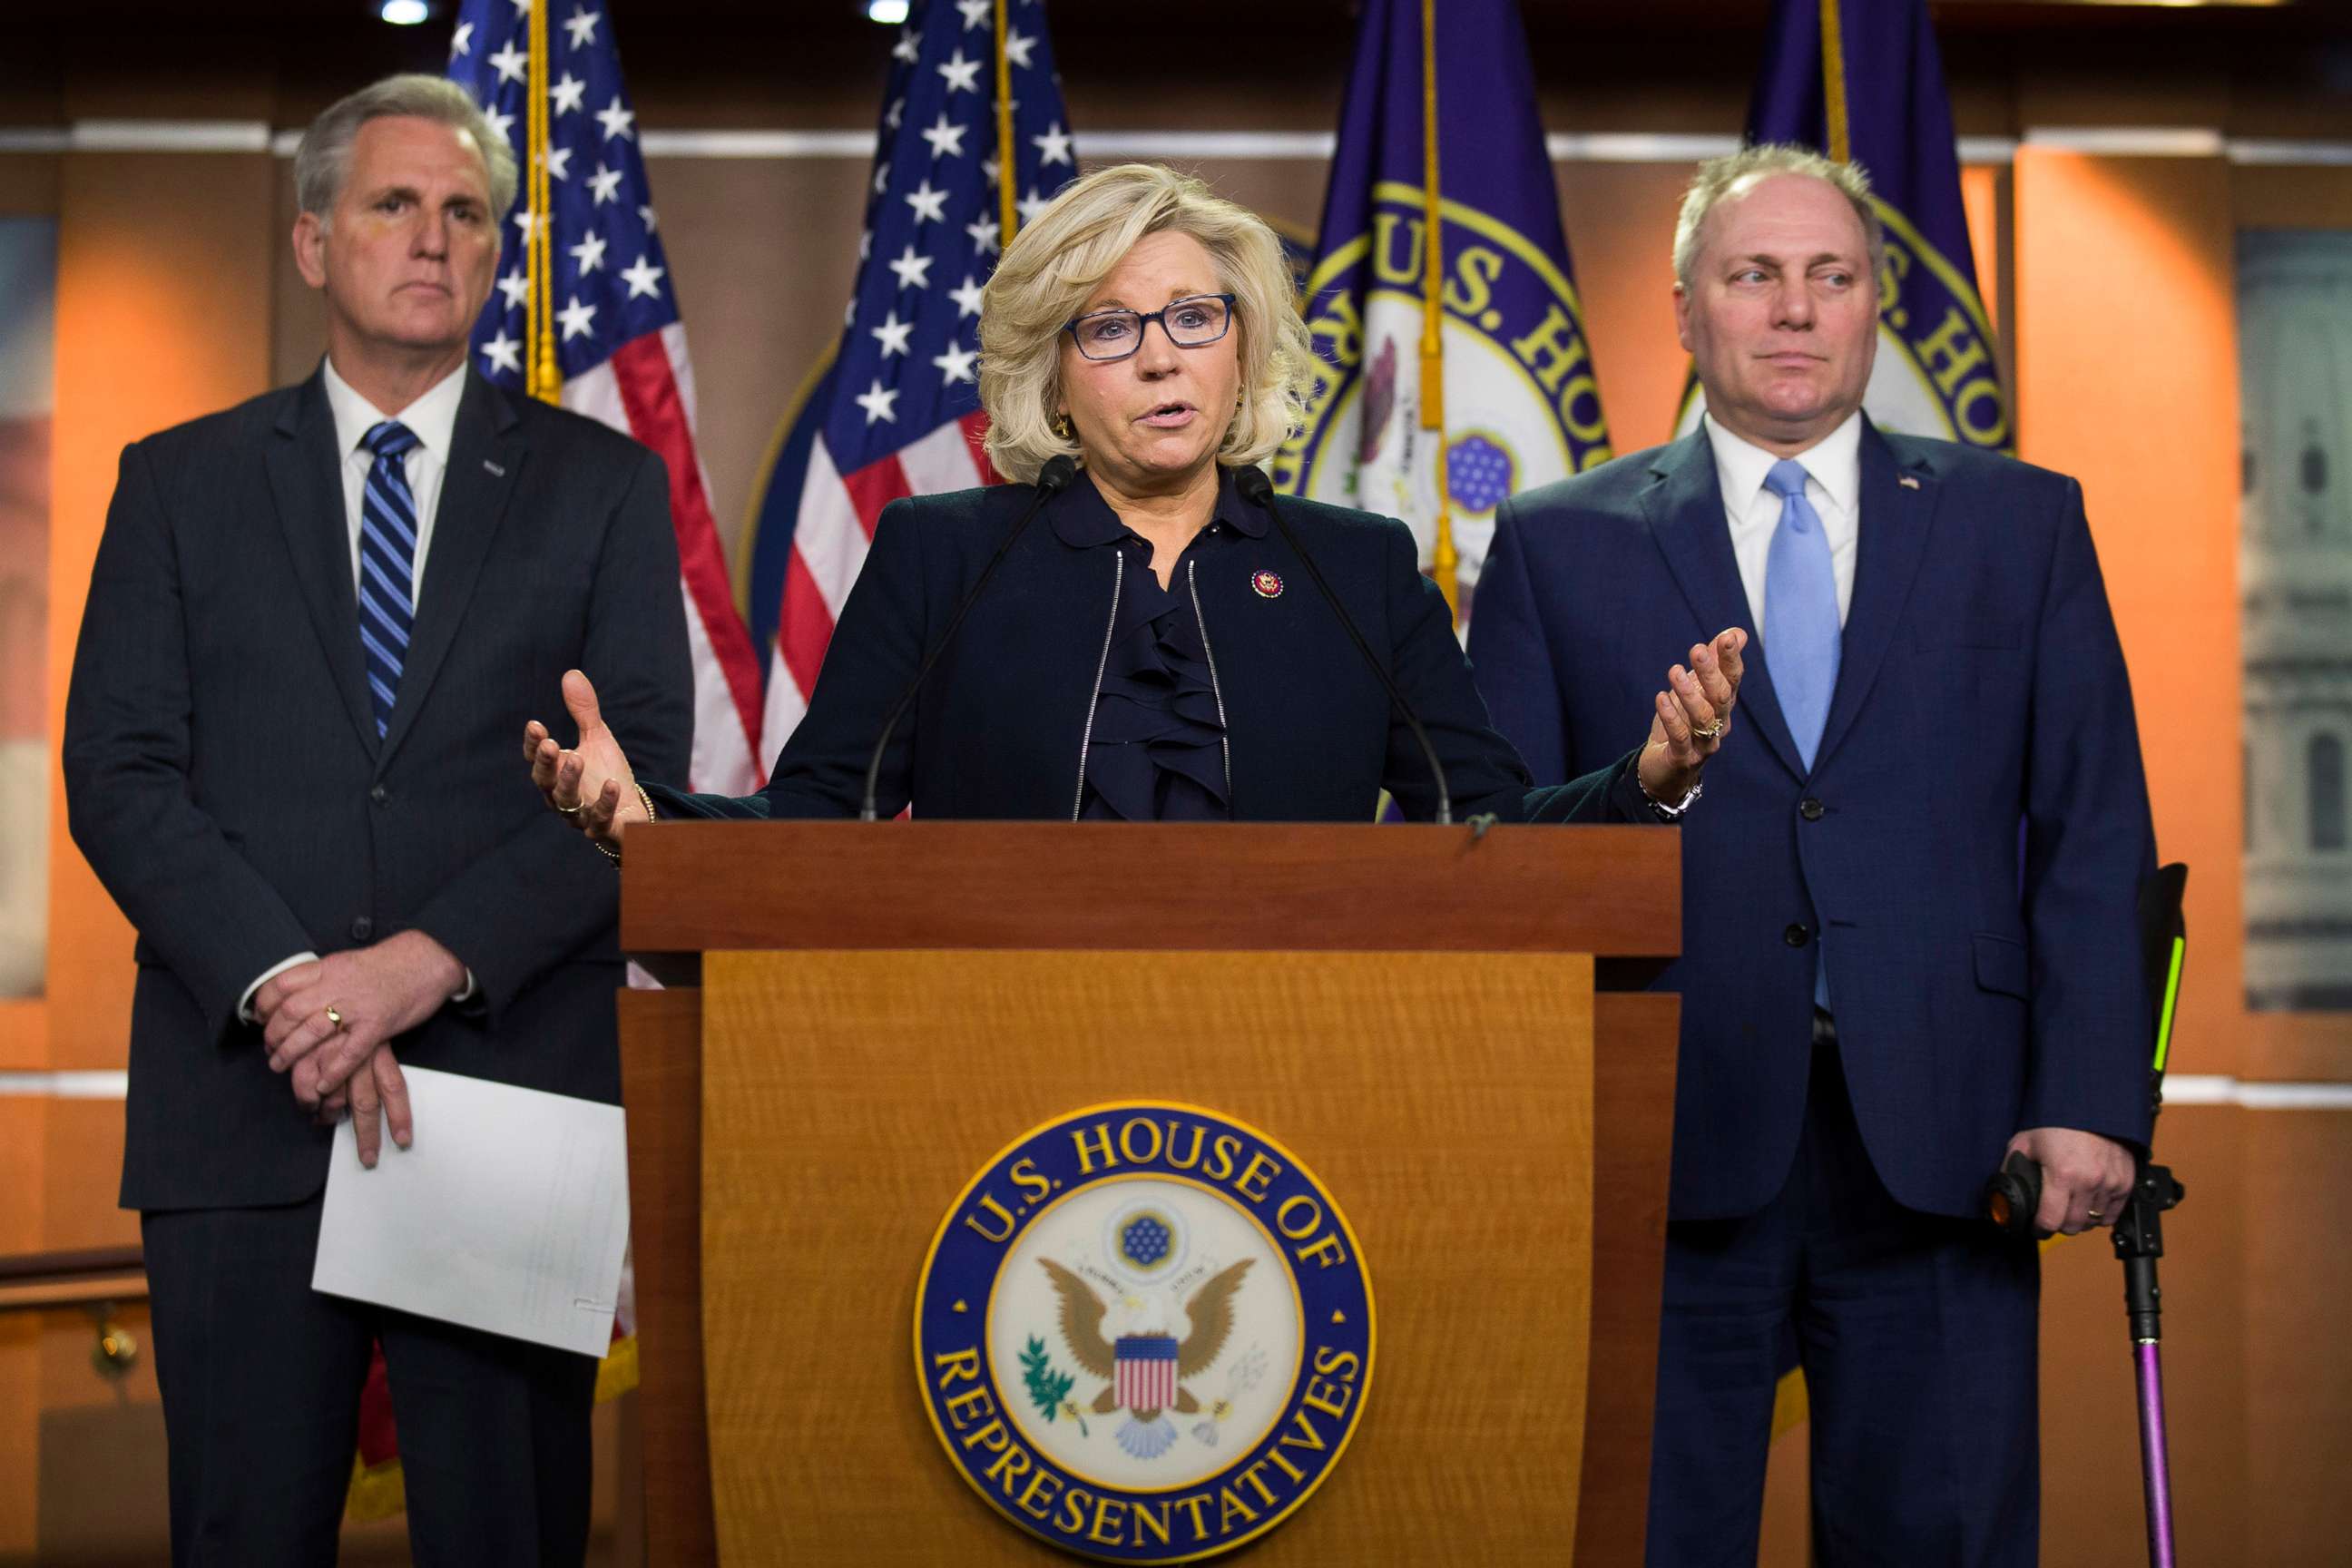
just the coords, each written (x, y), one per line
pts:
(1906, 481)
(502, 473)
(1267, 584)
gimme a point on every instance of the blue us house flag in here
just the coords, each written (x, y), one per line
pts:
(1520, 405)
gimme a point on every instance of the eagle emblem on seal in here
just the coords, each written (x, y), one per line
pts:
(1145, 1371)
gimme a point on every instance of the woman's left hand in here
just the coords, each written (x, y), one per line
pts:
(1694, 716)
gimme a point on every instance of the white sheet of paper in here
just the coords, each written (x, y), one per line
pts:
(509, 1213)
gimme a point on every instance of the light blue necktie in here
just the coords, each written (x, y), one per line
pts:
(387, 564)
(1801, 629)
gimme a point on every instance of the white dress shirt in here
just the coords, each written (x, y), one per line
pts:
(433, 419)
(1832, 484)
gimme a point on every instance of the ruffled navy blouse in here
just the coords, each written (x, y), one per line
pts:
(1156, 751)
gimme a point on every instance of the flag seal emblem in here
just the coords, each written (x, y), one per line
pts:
(1267, 584)
(1144, 1333)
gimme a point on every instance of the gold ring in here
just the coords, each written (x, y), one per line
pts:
(573, 810)
(2094, 1216)
(334, 1016)
(1711, 731)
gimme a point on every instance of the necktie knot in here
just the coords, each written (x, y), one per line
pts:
(390, 439)
(1787, 478)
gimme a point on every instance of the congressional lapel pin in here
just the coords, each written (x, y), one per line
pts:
(1267, 584)
(502, 473)
(1906, 481)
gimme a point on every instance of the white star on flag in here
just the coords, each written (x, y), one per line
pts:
(988, 167)
(502, 123)
(512, 63)
(616, 120)
(881, 179)
(908, 46)
(967, 297)
(589, 253)
(583, 27)
(893, 334)
(962, 75)
(897, 111)
(522, 221)
(1031, 206)
(605, 183)
(975, 13)
(945, 140)
(575, 318)
(515, 288)
(914, 271)
(983, 234)
(956, 363)
(876, 402)
(503, 352)
(567, 94)
(1017, 48)
(929, 206)
(463, 42)
(643, 279)
(646, 215)
(1054, 147)
(559, 162)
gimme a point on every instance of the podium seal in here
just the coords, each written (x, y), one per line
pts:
(1144, 1333)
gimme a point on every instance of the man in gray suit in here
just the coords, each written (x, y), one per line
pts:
(316, 625)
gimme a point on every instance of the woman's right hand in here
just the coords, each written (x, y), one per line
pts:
(590, 785)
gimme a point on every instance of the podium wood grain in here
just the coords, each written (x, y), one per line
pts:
(1610, 891)
(1445, 1100)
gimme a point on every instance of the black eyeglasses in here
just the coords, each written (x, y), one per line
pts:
(1190, 323)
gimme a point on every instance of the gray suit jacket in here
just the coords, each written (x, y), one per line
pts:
(225, 778)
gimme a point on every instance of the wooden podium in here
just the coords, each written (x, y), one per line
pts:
(1412, 1010)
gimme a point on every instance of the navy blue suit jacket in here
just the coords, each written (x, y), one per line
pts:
(1000, 730)
(1985, 979)
(224, 775)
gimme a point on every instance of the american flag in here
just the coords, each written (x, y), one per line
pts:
(620, 346)
(1146, 1365)
(903, 416)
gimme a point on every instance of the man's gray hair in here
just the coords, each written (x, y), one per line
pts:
(324, 159)
(1735, 172)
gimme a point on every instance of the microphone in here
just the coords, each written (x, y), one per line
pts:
(1255, 486)
(1052, 479)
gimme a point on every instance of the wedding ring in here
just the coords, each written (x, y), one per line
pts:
(1711, 731)
(334, 1016)
(573, 810)
(2094, 1216)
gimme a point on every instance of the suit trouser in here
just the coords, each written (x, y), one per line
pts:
(261, 1378)
(1917, 1336)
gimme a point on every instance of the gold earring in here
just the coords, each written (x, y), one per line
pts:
(1063, 429)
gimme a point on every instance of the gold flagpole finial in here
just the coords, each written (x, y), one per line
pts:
(1443, 561)
(1008, 213)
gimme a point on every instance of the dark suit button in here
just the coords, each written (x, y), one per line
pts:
(1797, 936)
(1811, 809)
(365, 928)
(379, 794)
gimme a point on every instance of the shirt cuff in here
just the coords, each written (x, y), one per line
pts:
(469, 993)
(245, 1004)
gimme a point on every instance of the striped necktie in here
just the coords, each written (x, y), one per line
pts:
(387, 564)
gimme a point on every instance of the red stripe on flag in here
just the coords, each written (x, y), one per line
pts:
(876, 486)
(656, 413)
(975, 428)
(804, 628)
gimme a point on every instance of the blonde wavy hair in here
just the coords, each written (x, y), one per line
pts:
(1059, 260)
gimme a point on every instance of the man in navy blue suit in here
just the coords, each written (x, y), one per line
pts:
(1917, 875)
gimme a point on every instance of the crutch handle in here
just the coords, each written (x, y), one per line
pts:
(2013, 1196)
